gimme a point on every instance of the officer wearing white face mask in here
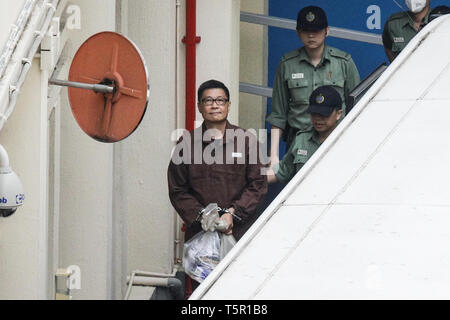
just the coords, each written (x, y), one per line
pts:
(403, 26)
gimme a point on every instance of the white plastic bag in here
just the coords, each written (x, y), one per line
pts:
(203, 252)
(227, 242)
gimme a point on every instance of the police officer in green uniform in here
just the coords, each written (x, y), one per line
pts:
(401, 27)
(303, 70)
(325, 111)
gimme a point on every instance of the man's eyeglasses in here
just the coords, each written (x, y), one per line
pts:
(220, 101)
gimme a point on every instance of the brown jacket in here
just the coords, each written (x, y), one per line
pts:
(195, 181)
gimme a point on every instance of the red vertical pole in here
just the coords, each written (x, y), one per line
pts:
(190, 39)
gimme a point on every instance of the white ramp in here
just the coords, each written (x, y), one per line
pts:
(368, 217)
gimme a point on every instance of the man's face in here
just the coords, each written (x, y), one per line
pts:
(323, 124)
(211, 110)
(313, 39)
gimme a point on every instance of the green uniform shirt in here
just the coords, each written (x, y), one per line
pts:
(399, 30)
(296, 79)
(302, 148)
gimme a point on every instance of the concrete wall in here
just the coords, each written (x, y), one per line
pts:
(85, 231)
(24, 258)
(144, 214)
(22, 235)
(253, 66)
(218, 51)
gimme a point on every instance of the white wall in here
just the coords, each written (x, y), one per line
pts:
(86, 180)
(22, 249)
(218, 51)
(144, 214)
(253, 66)
(24, 267)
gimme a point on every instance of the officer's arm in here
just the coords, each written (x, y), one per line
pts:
(280, 108)
(387, 42)
(275, 135)
(351, 81)
(285, 169)
(390, 54)
(271, 177)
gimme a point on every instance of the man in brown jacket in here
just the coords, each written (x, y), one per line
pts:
(216, 163)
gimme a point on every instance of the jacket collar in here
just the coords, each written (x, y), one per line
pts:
(304, 56)
(410, 20)
(199, 133)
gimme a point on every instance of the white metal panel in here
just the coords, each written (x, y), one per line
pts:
(410, 168)
(376, 193)
(441, 90)
(444, 29)
(369, 252)
(420, 70)
(350, 153)
(263, 255)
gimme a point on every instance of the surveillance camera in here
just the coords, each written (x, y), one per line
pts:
(11, 189)
(11, 192)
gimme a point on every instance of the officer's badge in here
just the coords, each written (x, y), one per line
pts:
(310, 17)
(320, 99)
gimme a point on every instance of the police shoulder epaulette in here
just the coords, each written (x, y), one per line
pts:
(339, 53)
(290, 55)
(398, 15)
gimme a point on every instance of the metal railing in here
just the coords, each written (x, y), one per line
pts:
(255, 89)
(291, 25)
(364, 86)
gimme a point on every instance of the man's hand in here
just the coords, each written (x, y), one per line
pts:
(271, 177)
(274, 160)
(228, 218)
(275, 135)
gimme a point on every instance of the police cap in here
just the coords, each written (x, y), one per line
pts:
(311, 18)
(324, 100)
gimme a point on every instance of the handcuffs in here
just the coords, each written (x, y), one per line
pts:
(221, 212)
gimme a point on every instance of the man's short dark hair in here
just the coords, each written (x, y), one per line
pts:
(212, 84)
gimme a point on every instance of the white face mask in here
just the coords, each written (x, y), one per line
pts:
(416, 5)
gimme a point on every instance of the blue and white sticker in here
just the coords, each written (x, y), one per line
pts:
(20, 198)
